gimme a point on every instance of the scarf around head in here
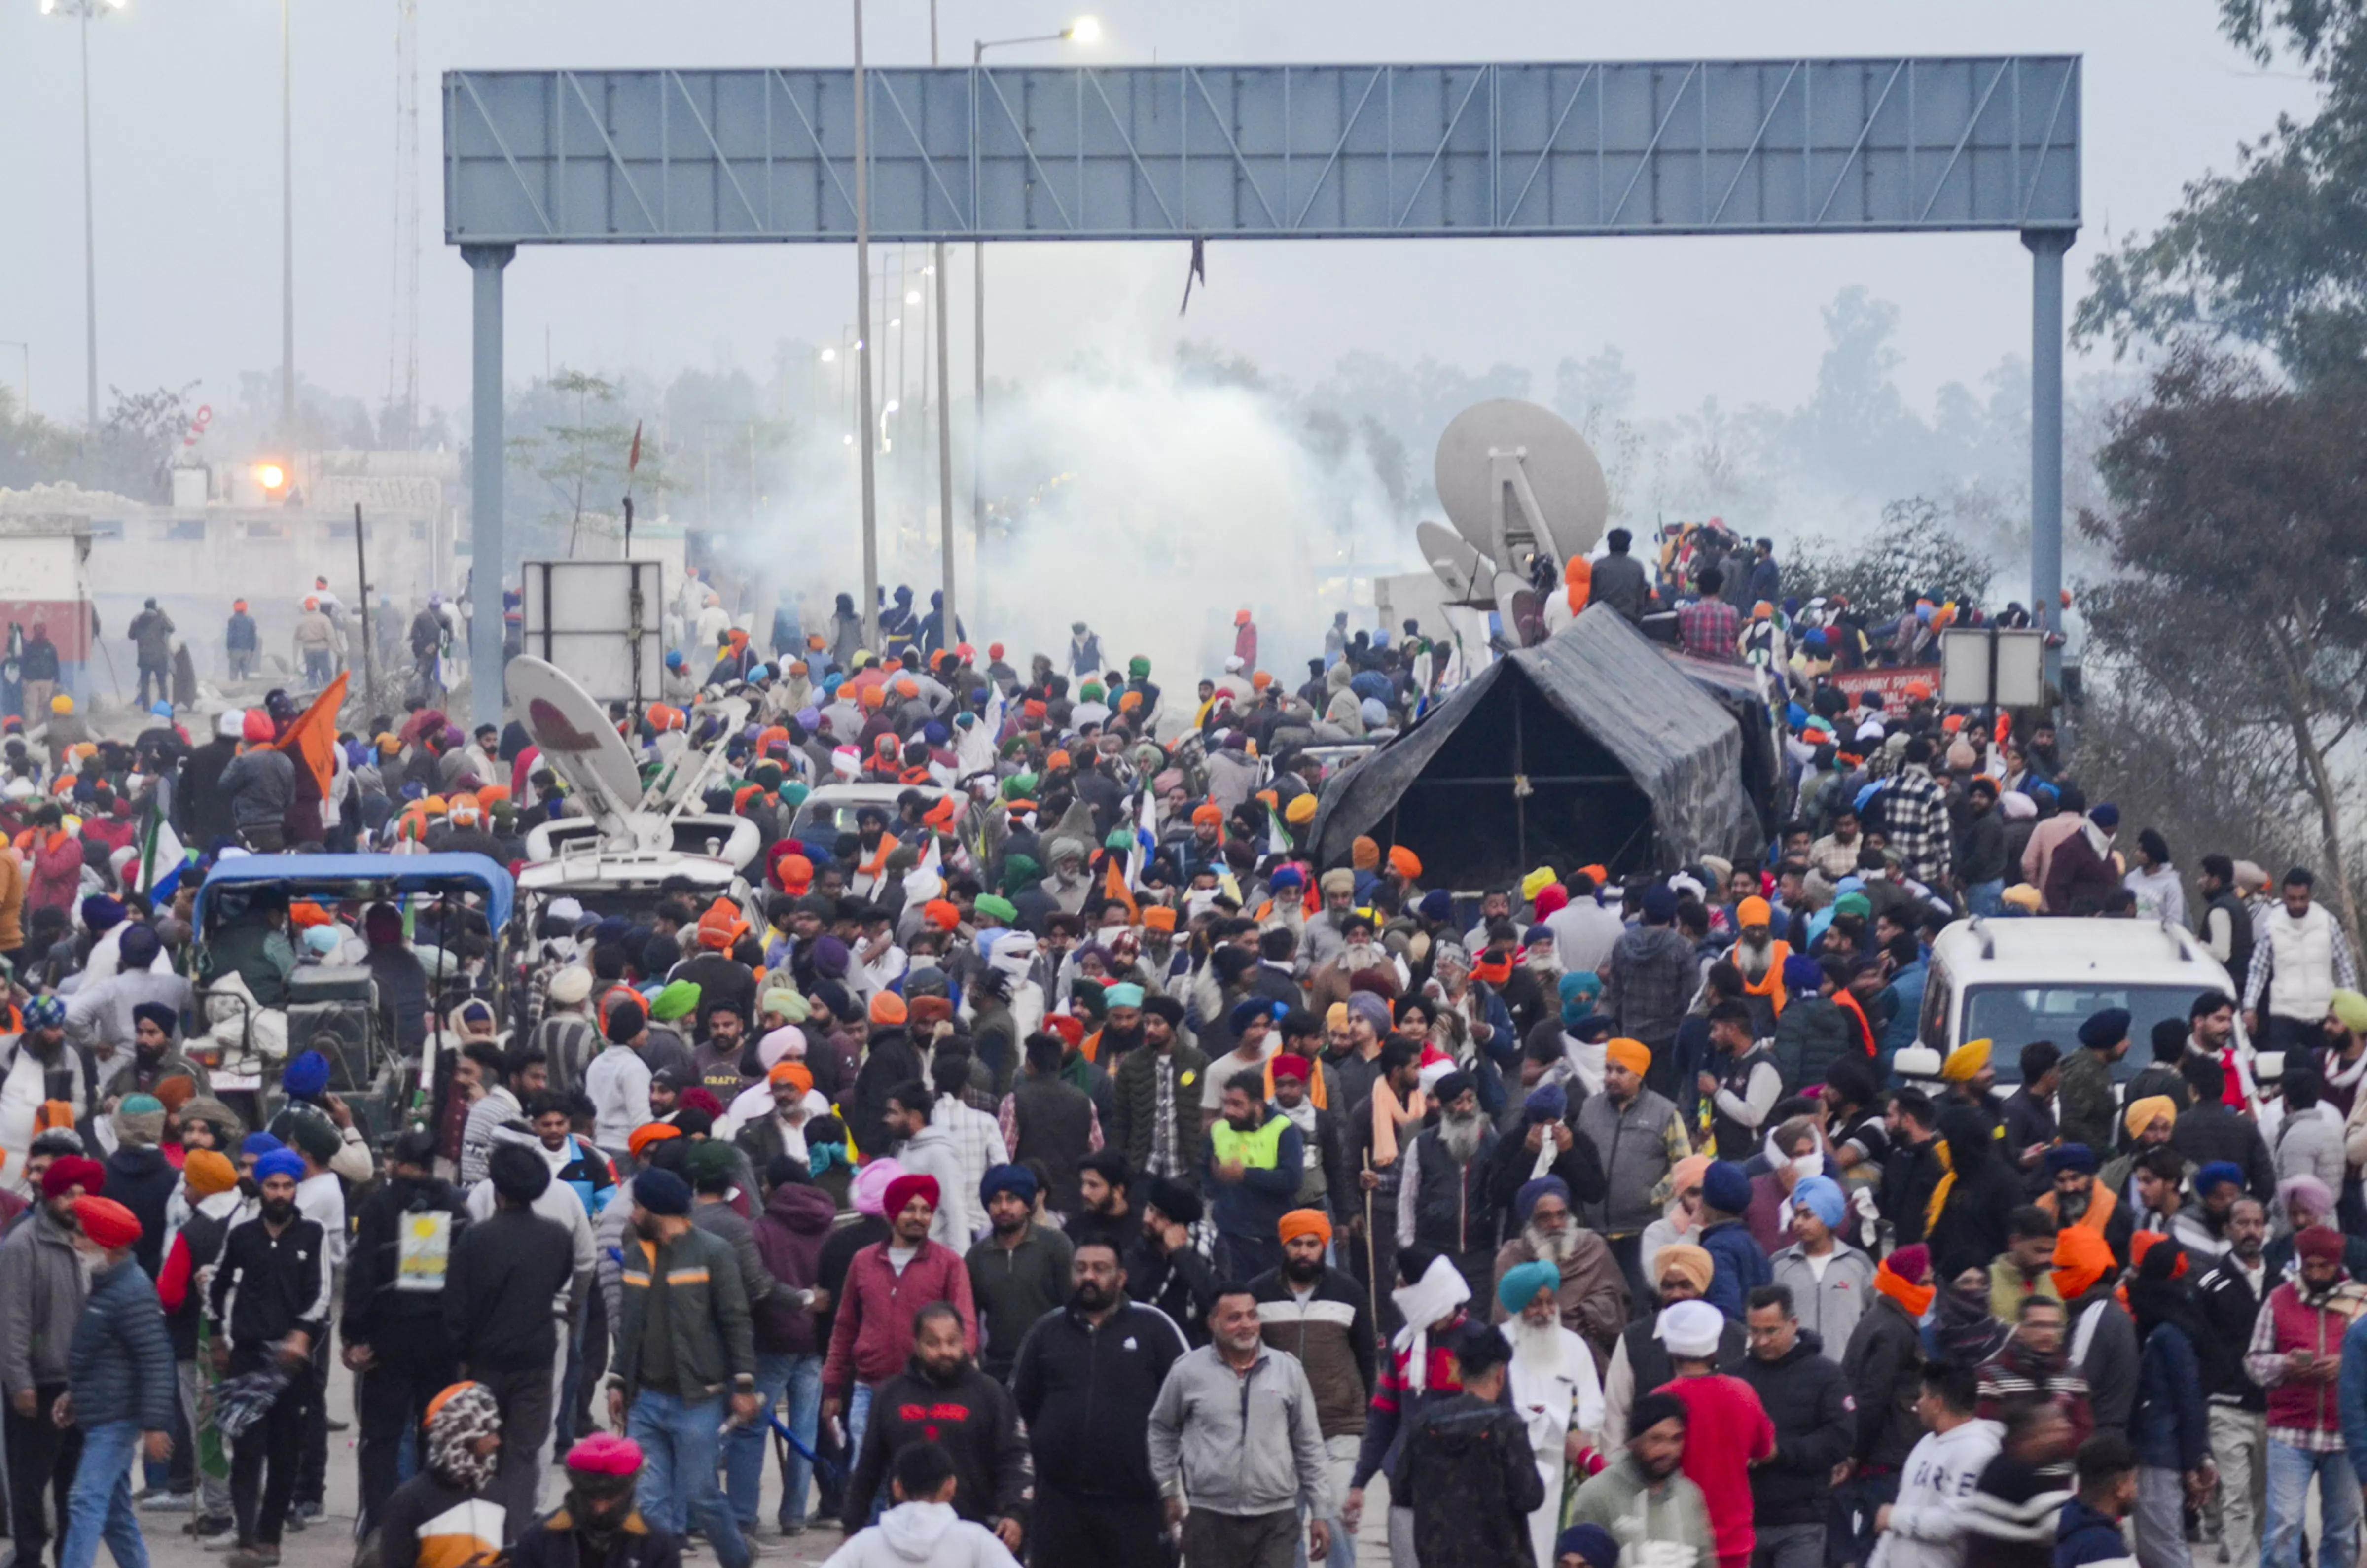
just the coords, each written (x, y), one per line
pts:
(1914, 1298)
(1439, 1292)
(458, 1417)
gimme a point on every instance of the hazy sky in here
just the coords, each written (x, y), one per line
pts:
(187, 110)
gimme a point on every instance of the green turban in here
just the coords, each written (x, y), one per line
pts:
(1020, 872)
(995, 906)
(794, 794)
(1853, 903)
(1139, 668)
(679, 1000)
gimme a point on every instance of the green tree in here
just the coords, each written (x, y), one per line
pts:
(1918, 550)
(2273, 254)
(2240, 612)
(581, 459)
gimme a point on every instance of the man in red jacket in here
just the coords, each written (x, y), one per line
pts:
(887, 1286)
(1728, 1432)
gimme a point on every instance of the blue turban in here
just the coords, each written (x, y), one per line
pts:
(279, 1162)
(1286, 876)
(260, 1144)
(1124, 995)
(1527, 1198)
(1803, 974)
(1015, 1180)
(1437, 904)
(2070, 1156)
(1660, 904)
(1725, 1187)
(1578, 991)
(2105, 1029)
(305, 1076)
(1821, 1196)
(45, 1011)
(1546, 1102)
(1522, 1282)
(1590, 1544)
(100, 912)
(1250, 1008)
(2217, 1171)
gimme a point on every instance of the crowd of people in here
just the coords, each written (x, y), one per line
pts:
(1059, 1161)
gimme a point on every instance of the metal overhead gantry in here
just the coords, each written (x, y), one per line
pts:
(1172, 152)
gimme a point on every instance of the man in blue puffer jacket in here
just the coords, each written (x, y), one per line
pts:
(121, 1388)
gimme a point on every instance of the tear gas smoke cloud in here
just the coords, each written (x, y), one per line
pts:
(1149, 502)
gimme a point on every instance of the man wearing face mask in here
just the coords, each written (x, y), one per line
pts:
(270, 1303)
(596, 1525)
(441, 1513)
(121, 1392)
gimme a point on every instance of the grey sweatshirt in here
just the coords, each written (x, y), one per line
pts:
(1240, 1444)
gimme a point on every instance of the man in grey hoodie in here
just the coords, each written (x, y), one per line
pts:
(1235, 1432)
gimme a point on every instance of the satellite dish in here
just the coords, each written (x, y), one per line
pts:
(1514, 476)
(578, 742)
(1458, 566)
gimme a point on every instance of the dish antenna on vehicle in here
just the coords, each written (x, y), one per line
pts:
(1517, 482)
(580, 745)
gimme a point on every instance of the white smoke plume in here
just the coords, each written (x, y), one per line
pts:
(1147, 499)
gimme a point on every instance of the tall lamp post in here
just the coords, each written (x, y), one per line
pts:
(1085, 30)
(84, 10)
(863, 343)
(287, 240)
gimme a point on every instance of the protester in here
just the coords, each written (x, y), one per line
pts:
(1553, 1386)
(122, 1394)
(1319, 1316)
(2295, 1353)
(445, 1513)
(1466, 1465)
(1927, 1526)
(942, 1397)
(1728, 1429)
(1807, 1396)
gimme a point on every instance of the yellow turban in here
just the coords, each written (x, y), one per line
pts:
(2153, 1108)
(1304, 1222)
(2350, 1009)
(1965, 1063)
(1631, 1055)
(1301, 811)
(1536, 881)
(1336, 1016)
(1686, 1262)
(2024, 897)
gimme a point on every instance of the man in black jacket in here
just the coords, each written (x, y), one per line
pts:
(503, 1294)
(393, 1324)
(1467, 1467)
(941, 1397)
(1807, 1396)
(1085, 1383)
(2207, 1131)
(1163, 1269)
(270, 1303)
(2229, 1295)
(1883, 1364)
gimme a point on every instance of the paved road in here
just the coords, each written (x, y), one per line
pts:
(329, 1542)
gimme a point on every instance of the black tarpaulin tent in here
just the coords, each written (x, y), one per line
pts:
(1593, 747)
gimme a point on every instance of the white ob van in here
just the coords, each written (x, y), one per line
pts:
(2039, 977)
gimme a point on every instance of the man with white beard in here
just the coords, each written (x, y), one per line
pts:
(1443, 1200)
(1589, 1292)
(1553, 1384)
(1358, 954)
(1759, 957)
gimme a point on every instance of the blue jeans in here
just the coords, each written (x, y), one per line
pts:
(743, 1450)
(1986, 898)
(858, 1416)
(804, 1420)
(680, 1444)
(2290, 1471)
(101, 1501)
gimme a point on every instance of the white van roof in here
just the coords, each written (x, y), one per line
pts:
(2070, 950)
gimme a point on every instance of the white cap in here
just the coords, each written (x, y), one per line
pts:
(1690, 1328)
(232, 724)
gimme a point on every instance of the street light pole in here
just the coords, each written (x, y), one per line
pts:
(286, 238)
(1084, 29)
(83, 10)
(947, 617)
(863, 343)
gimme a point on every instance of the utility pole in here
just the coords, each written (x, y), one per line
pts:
(287, 240)
(948, 620)
(863, 343)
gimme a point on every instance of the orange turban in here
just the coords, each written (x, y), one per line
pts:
(941, 913)
(1304, 1222)
(1365, 854)
(2082, 1257)
(1207, 813)
(1404, 861)
(1631, 1055)
(648, 1133)
(792, 1073)
(303, 914)
(889, 1008)
(1159, 917)
(1753, 912)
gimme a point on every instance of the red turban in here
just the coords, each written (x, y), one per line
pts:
(72, 1170)
(603, 1454)
(906, 1187)
(1290, 1065)
(107, 1222)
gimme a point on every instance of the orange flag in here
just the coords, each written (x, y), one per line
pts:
(1115, 886)
(314, 736)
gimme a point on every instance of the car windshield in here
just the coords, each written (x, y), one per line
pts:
(2013, 1016)
(823, 820)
